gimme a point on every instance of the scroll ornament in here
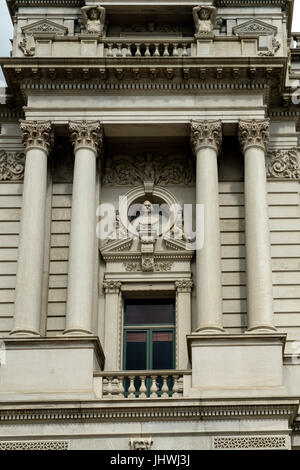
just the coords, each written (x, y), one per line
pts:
(284, 164)
(12, 165)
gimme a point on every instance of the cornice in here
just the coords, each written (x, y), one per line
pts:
(143, 412)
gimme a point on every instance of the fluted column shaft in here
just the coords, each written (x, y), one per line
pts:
(254, 136)
(206, 139)
(38, 138)
(87, 140)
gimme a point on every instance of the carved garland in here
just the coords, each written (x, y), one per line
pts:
(159, 266)
(12, 165)
(283, 164)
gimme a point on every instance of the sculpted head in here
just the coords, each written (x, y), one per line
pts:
(147, 207)
(204, 14)
(94, 14)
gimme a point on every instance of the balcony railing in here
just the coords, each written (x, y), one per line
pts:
(154, 48)
(142, 384)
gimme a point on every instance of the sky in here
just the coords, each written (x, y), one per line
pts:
(6, 29)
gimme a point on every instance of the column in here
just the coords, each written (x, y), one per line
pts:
(206, 139)
(184, 324)
(254, 137)
(87, 139)
(112, 331)
(38, 138)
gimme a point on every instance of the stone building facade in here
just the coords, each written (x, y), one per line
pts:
(150, 226)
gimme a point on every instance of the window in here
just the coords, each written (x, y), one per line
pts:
(149, 334)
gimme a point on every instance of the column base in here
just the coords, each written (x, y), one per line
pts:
(209, 329)
(19, 332)
(261, 329)
(77, 332)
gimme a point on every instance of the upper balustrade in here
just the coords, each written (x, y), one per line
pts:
(184, 31)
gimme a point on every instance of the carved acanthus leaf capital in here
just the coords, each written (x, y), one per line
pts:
(86, 134)
(37, 134)
(112, 287)
(184, 285)
(254, 133)
(206, 134)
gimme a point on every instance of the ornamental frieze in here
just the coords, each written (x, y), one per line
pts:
(12, 165)
(159, 266)
(124, 170)
(283, 164)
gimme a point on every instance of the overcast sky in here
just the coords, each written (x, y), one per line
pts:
(6, 30)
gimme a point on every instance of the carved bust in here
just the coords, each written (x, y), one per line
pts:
(94, 19)
(204, 19)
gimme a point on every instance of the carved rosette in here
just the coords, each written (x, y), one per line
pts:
(206, 134)
(184, 285)
(86, 134)
(37, 134)
(112, 287)
(12, 165)
(254, 133)
(284, 164)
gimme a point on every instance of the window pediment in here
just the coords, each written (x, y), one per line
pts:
(45, 27)
(254, 27)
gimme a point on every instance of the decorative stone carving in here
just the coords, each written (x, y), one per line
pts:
(27, 46)
(125, 170)
(12, 165)
(151, 28)
(250, 442)
(204, 19)
(37, 134)
(184, 285)
(94, 19)
(45, 27)
(86, 134)
(207, 134)
(141, 443)
(34, 445)
(254, 133)
(271, 52)
(112, 287)
(254, 27)
(159, 266)
(284, 164)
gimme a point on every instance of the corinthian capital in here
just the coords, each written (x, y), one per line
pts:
(184, 285)
(254, 133)
(86, 134)
(206, 134)
(112, 287)
(37, 134)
